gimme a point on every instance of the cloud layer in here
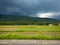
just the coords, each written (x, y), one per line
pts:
(30, 7)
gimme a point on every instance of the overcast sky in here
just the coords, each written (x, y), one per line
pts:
(35, 8)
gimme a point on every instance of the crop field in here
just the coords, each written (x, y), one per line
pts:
(34, 32)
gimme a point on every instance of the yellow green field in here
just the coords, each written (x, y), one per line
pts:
(30, 32)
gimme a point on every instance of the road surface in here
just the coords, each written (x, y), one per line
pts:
(29, 42)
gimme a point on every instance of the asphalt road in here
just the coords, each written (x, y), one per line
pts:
(29, 42)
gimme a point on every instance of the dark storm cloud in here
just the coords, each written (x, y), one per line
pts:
(29, 7)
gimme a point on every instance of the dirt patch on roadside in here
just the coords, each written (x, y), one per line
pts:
(9, 29)
(21, 33)
(52, 33)
(29, 33)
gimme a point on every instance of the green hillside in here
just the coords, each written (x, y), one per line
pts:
(16, 19)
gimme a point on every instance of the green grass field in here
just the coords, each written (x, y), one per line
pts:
(30, 32)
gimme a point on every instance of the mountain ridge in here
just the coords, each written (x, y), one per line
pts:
(26, 19)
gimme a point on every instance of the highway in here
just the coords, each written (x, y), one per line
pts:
(29, 42)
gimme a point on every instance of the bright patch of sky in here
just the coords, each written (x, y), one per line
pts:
(47, 15)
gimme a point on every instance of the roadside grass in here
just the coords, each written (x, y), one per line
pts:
(29, 28)
(27, 36)
(30, 32)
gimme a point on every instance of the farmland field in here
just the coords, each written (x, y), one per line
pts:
(30, 32)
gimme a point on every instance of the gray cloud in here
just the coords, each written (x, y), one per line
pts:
(29, 7)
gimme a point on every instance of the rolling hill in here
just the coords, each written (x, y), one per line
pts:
(16, 19)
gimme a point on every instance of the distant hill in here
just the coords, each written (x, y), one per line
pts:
(16, 19)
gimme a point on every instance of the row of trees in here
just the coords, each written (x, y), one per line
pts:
(26, 23)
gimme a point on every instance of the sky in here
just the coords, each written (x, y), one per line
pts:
(34, 8)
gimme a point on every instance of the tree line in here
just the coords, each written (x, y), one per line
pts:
(27, 23)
